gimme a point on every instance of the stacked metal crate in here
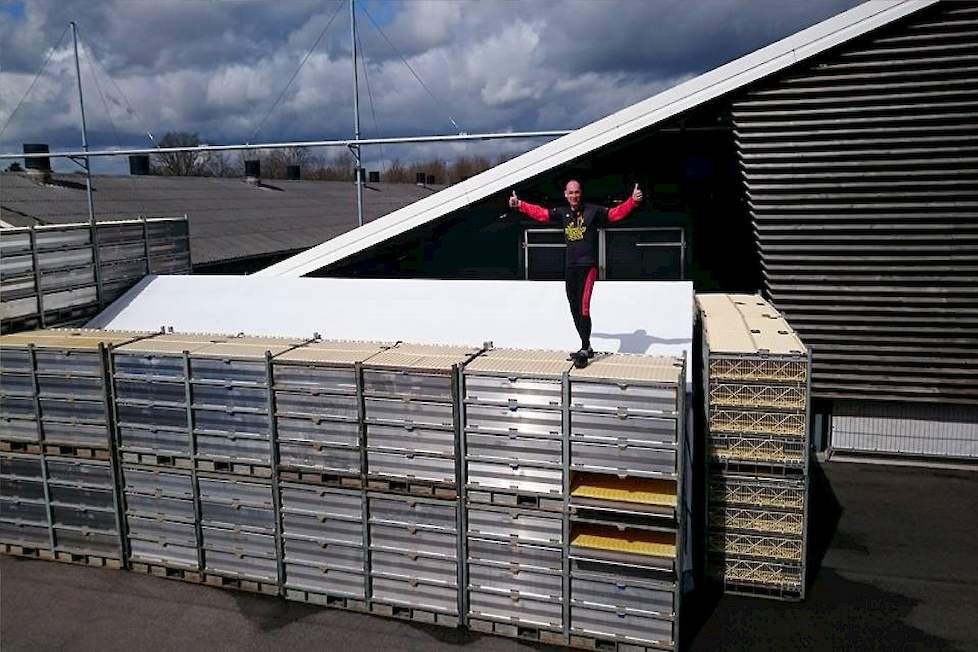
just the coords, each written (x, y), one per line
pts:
(230, 385)
(57, 469)
(194, 428)
(515, 477)
(55, 274)
(414, 520)
(626, 504)
(756, 376)
(319, 434)
(153, 435)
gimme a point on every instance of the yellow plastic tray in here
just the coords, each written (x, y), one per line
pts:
(625, 490)
(651, 544)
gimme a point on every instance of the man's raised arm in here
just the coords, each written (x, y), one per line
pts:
(622, 210)
(539, 213)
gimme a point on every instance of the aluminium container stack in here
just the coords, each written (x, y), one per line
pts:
(516, 482)
(153, 435)
(340, 473)
(195, 433)
(63, 274)
(319, 433)
(231, 416)
(57, 465)
(626, 505)
(756, 376)
(415, 522)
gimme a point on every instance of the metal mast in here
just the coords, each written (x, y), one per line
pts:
(81, 105)
(355, 149)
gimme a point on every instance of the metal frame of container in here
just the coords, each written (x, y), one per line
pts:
(622, 642)
(510, 500)
(92, 346)
(325, 481)
(757, 371)
(95, 238)
(558, 522)
(376, 485)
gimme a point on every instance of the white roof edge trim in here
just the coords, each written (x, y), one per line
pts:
(710, 85)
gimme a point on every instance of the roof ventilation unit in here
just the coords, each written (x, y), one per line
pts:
(37, 168)
(253, 171)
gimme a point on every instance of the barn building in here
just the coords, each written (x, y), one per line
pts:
(835, 172)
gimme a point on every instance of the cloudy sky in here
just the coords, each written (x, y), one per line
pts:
(216, 68)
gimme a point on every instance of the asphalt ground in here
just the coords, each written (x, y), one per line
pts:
(896, 552)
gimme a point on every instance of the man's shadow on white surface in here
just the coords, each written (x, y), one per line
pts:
(639, 341)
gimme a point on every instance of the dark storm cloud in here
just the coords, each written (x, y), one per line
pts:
(216, 67)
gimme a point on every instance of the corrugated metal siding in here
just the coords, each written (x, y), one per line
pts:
(862, 178)
(905, 428)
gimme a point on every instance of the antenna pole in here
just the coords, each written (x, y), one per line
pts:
(84, 129)
(355, 149)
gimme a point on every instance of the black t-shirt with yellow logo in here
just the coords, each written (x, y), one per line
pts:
(581, 232)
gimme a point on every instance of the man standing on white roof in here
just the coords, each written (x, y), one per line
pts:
(580, 223)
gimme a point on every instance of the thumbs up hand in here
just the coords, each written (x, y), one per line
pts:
(636, 194)
(514, 202)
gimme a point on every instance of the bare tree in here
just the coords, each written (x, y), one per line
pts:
(183, 164)
(397, 173)
(219, 164)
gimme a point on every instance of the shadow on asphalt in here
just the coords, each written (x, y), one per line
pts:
(825, 512)
(839, 614)
(268, 614)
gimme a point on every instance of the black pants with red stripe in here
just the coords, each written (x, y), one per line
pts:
(579, 282)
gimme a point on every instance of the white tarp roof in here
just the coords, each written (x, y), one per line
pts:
(719, 81)
(629, 316)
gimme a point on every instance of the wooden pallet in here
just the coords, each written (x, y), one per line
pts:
(168, 572)
(515, 499)
(238, 584)
(82, 452)
(236, 468)
(413, 613)
(65, 557)
(152, 459)
(412, 487)
(20, 447)
(324, 479)
(611, 645)
(325, 599)
(517, 630)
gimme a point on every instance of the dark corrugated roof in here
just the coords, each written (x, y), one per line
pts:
(229, 218)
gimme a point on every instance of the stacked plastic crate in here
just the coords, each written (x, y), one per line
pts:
(153, 435)
(756, 376)
(58, 498)
(318, 421)
(231, 416)
(414, 521)
(626, 503)
(194, 423)
(513, 404)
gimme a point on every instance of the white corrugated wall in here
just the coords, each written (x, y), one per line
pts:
(947, 431)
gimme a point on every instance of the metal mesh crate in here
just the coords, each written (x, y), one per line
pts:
(757, 492)
(754, 369)
(757, 547)
(766, 450)
(723, 420)
(757, 520)
(752, 572)
(754, 395)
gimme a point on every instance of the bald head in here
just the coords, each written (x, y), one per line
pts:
(572, 193)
